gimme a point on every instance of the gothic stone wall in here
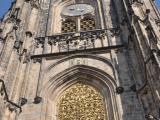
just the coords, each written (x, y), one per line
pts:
(31, 69)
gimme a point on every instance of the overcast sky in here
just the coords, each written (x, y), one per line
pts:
(5, 4)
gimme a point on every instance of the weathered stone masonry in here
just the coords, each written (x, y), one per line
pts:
(110, 49)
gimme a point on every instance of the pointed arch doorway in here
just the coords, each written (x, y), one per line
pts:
(81, 102)
(63, 90)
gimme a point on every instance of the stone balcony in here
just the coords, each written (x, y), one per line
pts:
(79, 41)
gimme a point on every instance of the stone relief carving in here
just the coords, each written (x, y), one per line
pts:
(81, 40)
(78, 61)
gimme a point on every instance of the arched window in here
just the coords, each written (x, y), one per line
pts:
(87, 23)
(68, 26)
(81, 17)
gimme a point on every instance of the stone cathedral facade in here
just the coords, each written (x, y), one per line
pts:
(80, 60)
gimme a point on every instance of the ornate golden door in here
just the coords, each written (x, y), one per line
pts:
(81, 102)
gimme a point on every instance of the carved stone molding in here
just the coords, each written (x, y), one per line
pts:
(73, 41)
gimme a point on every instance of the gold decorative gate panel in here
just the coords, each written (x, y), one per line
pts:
(81, 102)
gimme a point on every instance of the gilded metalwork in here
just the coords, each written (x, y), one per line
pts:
(87, 24)
(68, 26)
(81, 102)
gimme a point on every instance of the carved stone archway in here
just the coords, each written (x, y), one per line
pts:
(57, 86)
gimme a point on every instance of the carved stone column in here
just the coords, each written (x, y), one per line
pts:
(42, 66)
(26, 64)
(33, 78)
